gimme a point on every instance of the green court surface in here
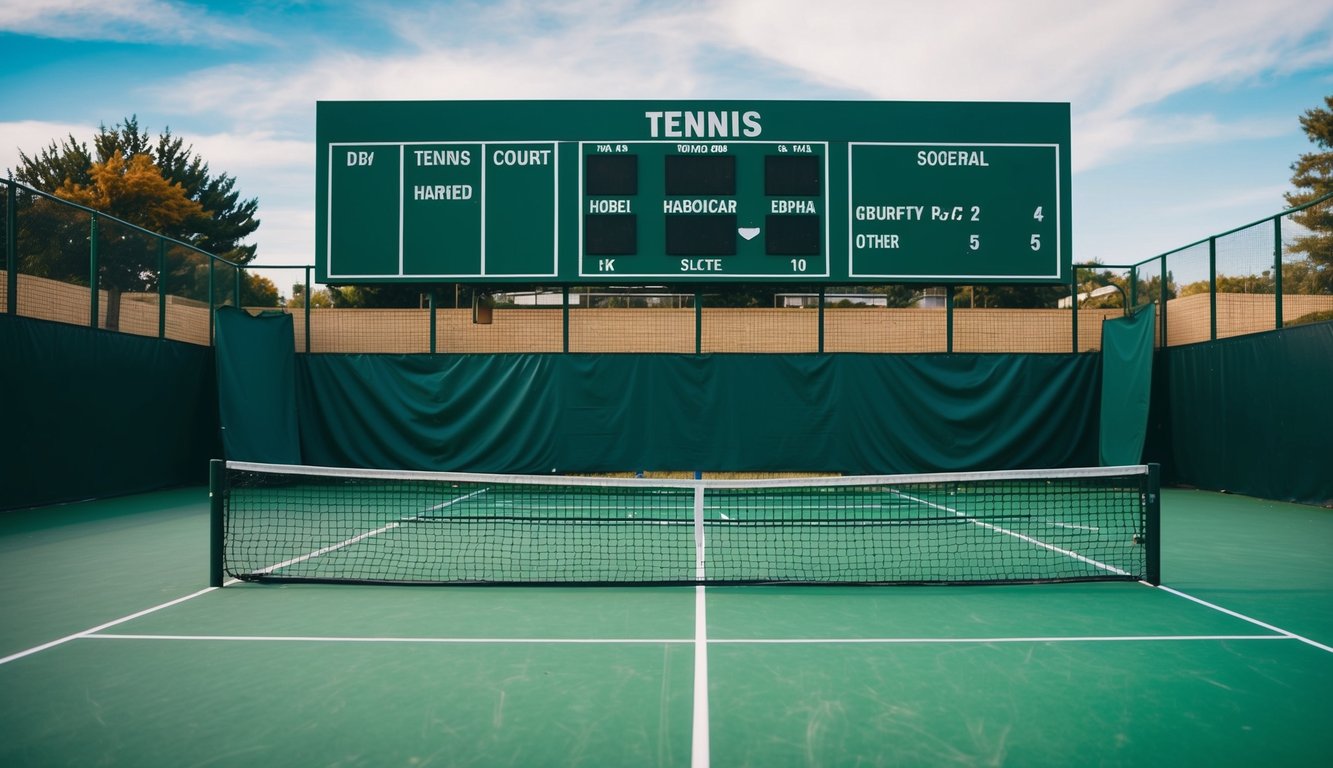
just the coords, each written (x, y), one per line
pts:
(114, 652)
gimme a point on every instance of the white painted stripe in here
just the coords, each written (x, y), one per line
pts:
(451, 502)
(1057, 524)
(362, 536)
(989, 640)
(435, 640)
(1016, 535)
(1243, 617)
(681, 641)
(108, 625)
(699, 751)
(699, 744)
(328, 549)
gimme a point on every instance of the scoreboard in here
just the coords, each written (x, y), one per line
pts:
(596, 192)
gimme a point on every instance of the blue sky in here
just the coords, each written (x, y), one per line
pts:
(1185, 112)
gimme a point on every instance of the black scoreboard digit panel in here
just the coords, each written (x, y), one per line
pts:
(594, 192)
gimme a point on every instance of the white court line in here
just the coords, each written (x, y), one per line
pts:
(1243, 617)
(1017, 535)
(989, 640)
(699, 750)
(89, 632)
(681, 641)
(363, 536)
(428, 640)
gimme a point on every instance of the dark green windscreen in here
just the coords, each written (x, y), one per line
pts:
(89, 413)
(536, 413)
(1127, 356)
(256, 363)
(1251, 414)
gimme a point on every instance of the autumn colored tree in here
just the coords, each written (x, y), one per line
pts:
(133, 190)
(186, 202)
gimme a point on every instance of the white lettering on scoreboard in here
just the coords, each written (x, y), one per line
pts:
(703, 125)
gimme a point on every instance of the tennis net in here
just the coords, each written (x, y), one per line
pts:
(297, 523)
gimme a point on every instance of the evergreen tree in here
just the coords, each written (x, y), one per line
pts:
(159, 184)
(1312, 175)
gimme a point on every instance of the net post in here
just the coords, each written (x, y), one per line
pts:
(1153, 525)
(217, 490)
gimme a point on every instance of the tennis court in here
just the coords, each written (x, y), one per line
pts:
(115, 652)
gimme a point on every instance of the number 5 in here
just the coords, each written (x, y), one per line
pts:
(974, 242)
(1035, 242)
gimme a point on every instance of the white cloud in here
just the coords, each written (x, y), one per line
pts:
(32, 136)
(1122, 64)
(1102, 137)
(140, 21)
(1114, 61)
(515, 50)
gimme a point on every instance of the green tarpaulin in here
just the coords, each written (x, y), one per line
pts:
(256, 364)
(1251, 414)
(1127, 352)
(542, 413)
(90, 413)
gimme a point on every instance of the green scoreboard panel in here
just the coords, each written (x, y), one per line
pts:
(589, 192)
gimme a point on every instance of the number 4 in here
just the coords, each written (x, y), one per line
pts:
(1037, 214)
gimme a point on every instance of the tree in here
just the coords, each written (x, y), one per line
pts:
(132, 190)
(135, 191)
(1312, 175)
(318, 299)
(114, 177)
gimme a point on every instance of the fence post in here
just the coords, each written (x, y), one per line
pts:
(564, 318)
(161, 288)
(11, 247)
(698, 322)
(210, 300)
(307, 309)
(821, 319)
(948, 319)
(1212, 288)
(1073, 303)
(92, 270)
(1162, 293)
(430, 305)
(1277, 269)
